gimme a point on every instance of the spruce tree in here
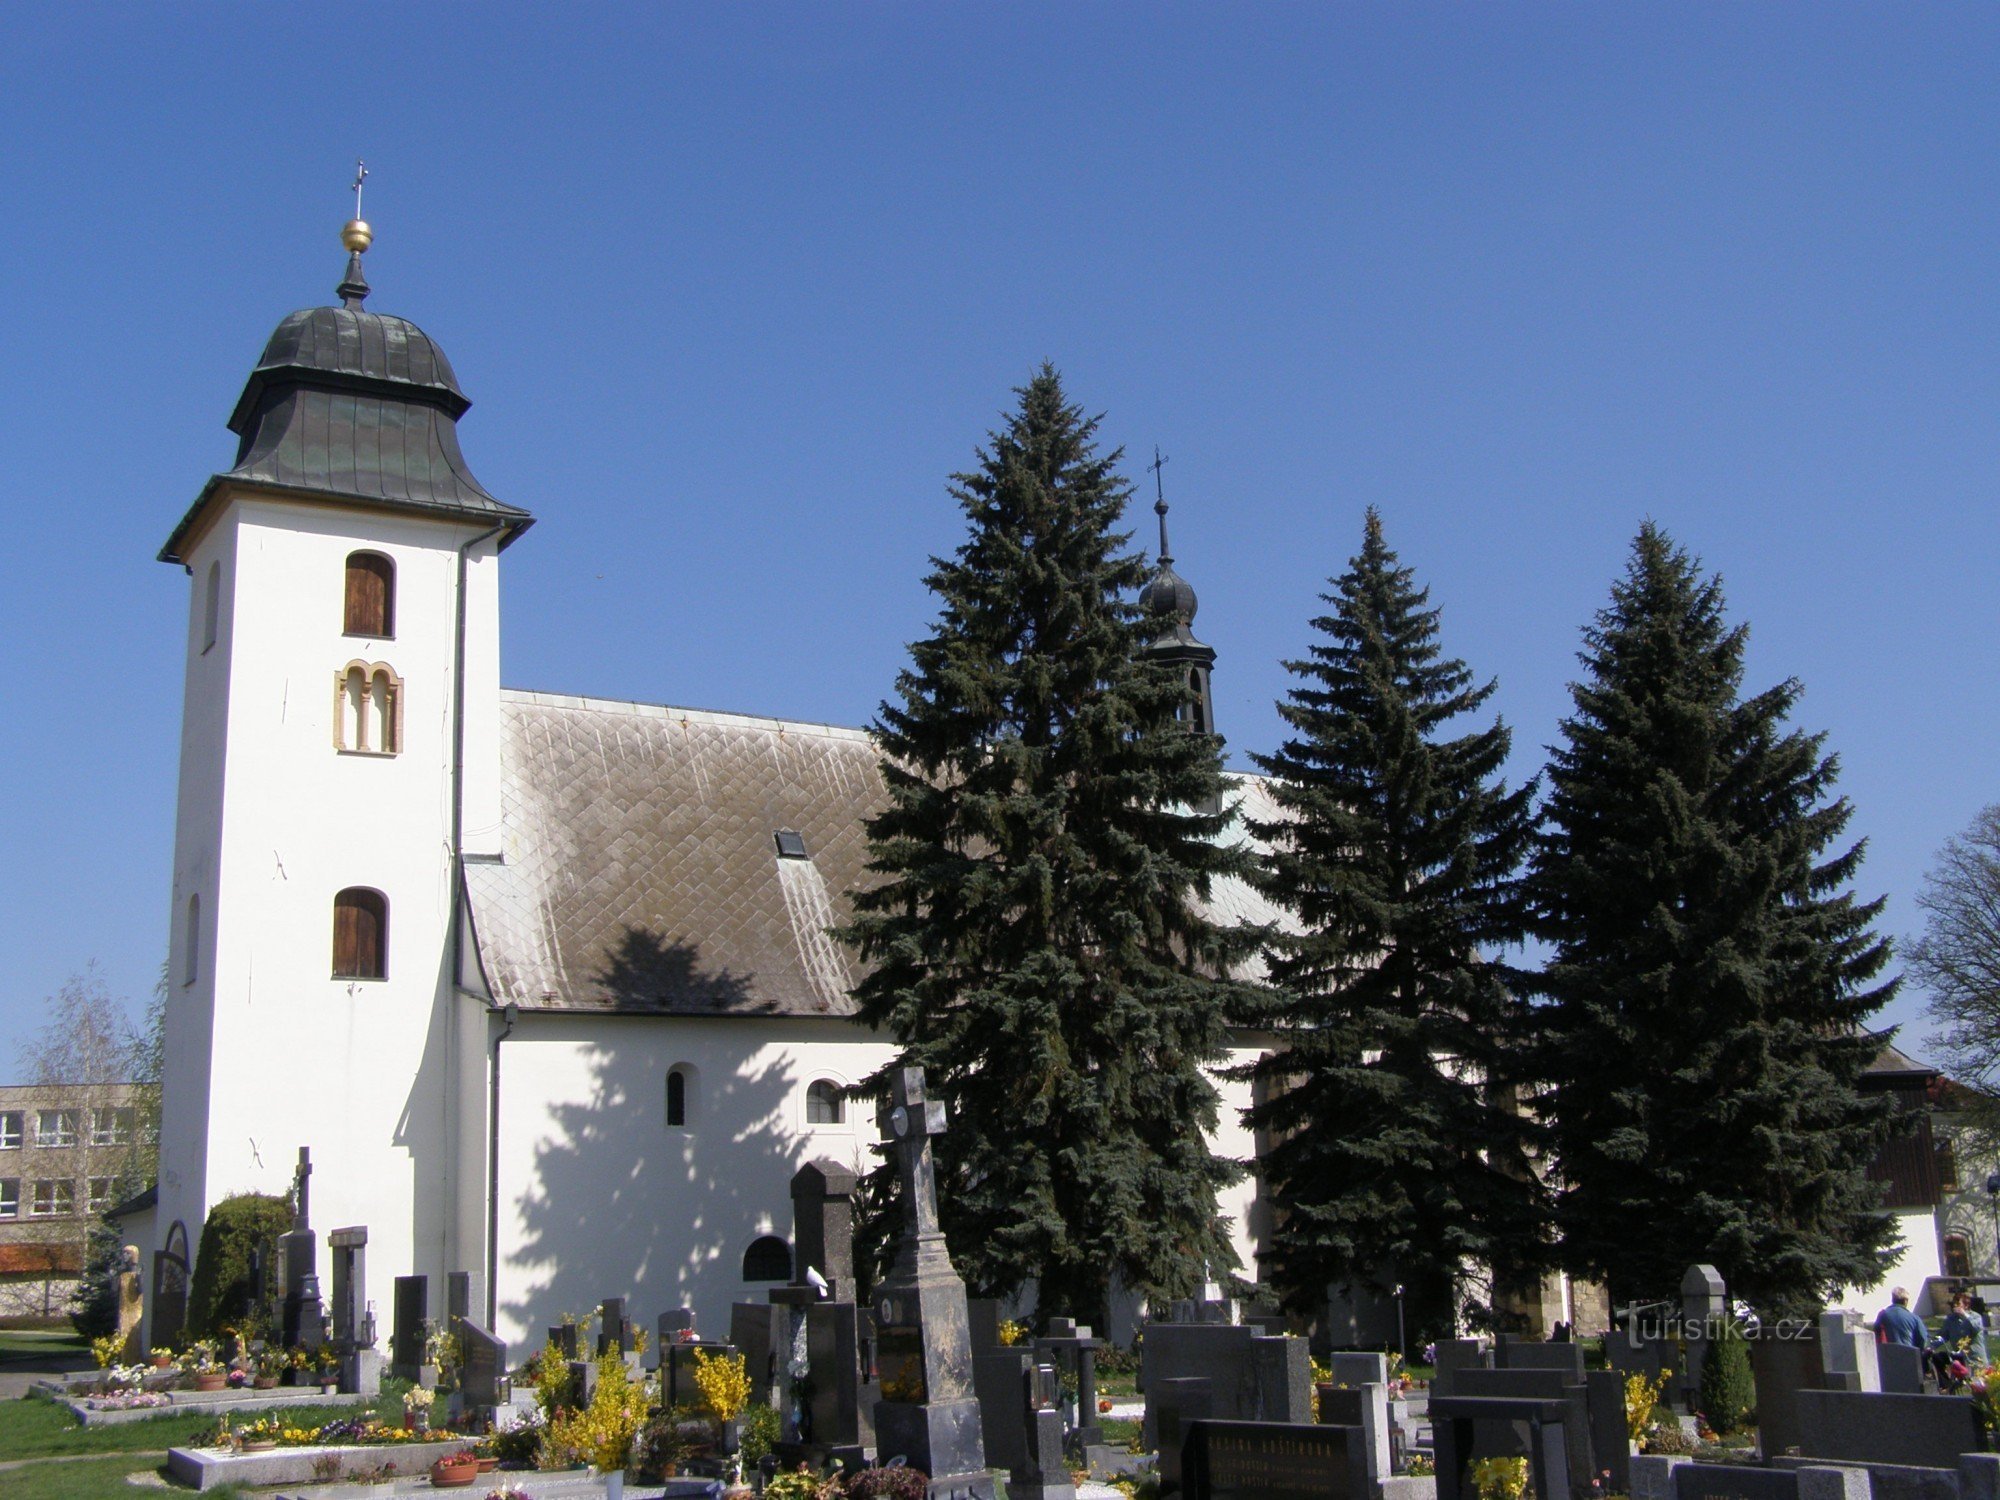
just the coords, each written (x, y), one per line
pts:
(1398, 1151)
(1710, 972)
(1036, 938)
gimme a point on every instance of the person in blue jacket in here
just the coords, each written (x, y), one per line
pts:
(1896, 1324)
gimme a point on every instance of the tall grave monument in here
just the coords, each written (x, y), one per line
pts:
(928, 1412)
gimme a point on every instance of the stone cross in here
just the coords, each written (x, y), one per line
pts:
(910, 1120)
(301, 1189)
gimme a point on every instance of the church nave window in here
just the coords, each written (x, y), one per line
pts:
(825, 1104)
(371, 596)
(360, 934)
(768, 1259)
(368, 709)
(680, 1096)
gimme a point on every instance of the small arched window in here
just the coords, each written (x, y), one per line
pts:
(371, 596)
(367, 709)
(680, 1096)
(825, 1104)
(768, 1259)
(360, 934)
(1957, 1256)
(211, 608)
(191, 942)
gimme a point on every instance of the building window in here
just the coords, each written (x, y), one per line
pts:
(768, 1259)
(371, 596)
(10, 1197)
(113, 1127)
(10, 1130)
(191, 942)
(55, 1127)
(1957, 1256)
(211, 609)
(360, 934)
(825, 1104)
(680, 1096)
(367, 709)
(1947, 1167)
(53, 1200)
(101, 1189)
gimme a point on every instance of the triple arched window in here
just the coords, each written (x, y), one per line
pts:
(368, 709)
(360, 934)
(371, 596)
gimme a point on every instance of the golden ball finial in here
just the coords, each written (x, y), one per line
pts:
(357, 236)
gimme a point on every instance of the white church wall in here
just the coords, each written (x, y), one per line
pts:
(362, 1071)
(600, 1197)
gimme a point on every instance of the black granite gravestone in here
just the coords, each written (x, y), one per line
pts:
(1455, 1420)
(1019, 1424)
(303, 1326)
(483, 1376)
(1273, 1461)
(406, 1333)
(928, 1413)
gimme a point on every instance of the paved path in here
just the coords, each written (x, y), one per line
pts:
(140, 1456)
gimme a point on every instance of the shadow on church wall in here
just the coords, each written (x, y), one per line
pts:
(611, 1200)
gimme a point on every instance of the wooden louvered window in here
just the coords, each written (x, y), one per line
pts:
(371, 595)
(360, 934)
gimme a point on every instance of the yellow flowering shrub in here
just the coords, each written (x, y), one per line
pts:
(1641, 1397)
(1500, 1478)
(603, 1432)
(723, 1382)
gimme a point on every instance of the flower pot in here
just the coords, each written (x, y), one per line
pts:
(265, 1383)
(614, 1484)
(446, 1475)
(213, 1381)
(488, 1465)
(259, 1445)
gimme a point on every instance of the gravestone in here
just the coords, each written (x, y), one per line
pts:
(677, 1370)
(1901, 1367)
(1660, 1477)
(348, 1250)
(758, 1330)
(928, 1413)
(823, 1225)
(483, 1376)
(564, 1337)
(406, 1333)
(1455, 1421)
(1253, 1377)
(1358, 1369)
(1847, 1350)
(1511, 1439)
(1273, 1461)
(982, 1324)
(1783, 1367)
(1173, 1405)
(1073, 1349)
(1704, 1306)
(1610, 1432)
(1560, 1355)
(614, 1335)
(671, 1324)
(1019, 1424)
(1632, 1354)
(1365, 1408)
(1929, 1432)
(302, 1323)
(1454, 1355)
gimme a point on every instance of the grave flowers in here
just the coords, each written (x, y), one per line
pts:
(455, 1470)
(725, 1389)
(1500, 1478)
(604, 1431)
(417, 1407)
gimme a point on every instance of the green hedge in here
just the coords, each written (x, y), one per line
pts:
(237, 1228)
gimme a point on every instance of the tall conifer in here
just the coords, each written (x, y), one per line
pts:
(1398, 1152)
(1035, 939)
(1711, 968)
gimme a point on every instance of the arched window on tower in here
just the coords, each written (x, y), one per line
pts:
(768, 1259)
(371, 596)
(680, 1096)
(211, 607)
(360, 934)
(825, 1104)
(368, 709)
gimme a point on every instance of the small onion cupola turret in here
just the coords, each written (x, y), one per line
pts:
(1169, 602)
(348, 405)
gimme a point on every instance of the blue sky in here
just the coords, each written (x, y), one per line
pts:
(733, 289)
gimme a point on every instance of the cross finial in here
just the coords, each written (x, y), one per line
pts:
(360, 176)
(1160, 500)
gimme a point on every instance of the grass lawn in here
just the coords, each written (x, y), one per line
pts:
(97, 1479)
(40, 1342)
(32, 1428)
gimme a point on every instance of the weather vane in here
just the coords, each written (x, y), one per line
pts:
(1160, 500)
(360, 176)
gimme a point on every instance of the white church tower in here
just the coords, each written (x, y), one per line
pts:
(343, 653)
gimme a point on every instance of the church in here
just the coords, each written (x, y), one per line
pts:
(543, 982)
